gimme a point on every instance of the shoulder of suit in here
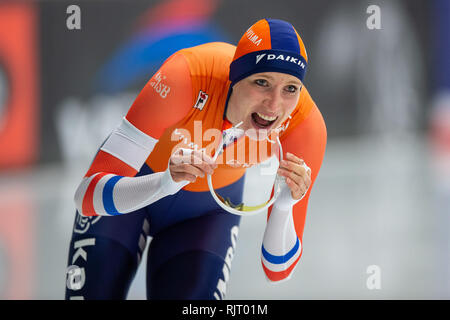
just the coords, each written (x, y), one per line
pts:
(305, 97)
(304, 107)
(210, 59)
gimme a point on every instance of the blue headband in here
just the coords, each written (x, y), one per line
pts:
(268, 61)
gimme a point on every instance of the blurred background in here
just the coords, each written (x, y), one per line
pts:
(381, 200)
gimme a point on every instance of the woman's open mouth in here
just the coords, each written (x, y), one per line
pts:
(262, 121)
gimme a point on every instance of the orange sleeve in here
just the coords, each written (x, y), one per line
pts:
(308, 142)
(165, 99)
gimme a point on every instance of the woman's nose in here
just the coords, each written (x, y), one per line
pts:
(273, 100)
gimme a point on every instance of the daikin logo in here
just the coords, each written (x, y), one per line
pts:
(259, 57)
(272, 56)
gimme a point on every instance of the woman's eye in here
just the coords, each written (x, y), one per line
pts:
(261, 82)
(291, 89)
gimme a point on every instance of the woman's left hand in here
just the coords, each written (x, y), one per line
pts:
(297, 174)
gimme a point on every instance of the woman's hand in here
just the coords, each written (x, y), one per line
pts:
(188, 164)
(297, 174)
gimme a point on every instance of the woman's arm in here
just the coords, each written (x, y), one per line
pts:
(110, 186)
(282, 243)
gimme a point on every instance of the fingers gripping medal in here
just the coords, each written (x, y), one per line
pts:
(241, 209)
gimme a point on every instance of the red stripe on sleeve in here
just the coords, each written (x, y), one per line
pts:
(277, 276)
(104, 162)
(88, 199)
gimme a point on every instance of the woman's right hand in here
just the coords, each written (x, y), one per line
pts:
(188, 164)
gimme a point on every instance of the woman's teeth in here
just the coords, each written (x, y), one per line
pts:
(266, 117)
(263, 121)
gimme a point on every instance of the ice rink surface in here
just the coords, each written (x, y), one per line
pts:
(375, 203)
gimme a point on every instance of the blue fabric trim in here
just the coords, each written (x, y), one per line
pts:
(108, 201)
(280, 259)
